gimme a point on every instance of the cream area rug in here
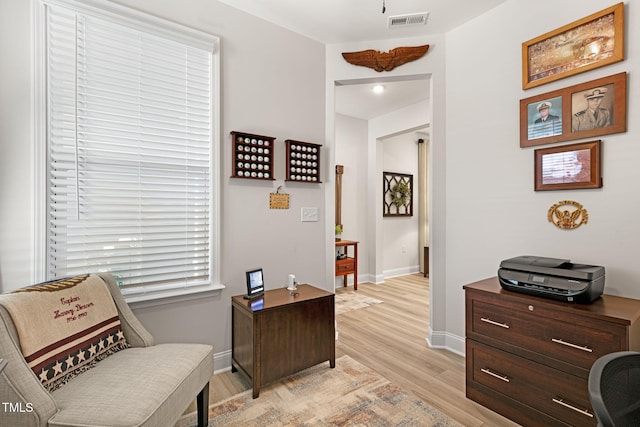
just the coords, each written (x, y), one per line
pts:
(348, 395)
(347, 301)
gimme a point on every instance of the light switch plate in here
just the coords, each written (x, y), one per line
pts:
(308, 214)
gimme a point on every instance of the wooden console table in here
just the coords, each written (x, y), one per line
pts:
(349, 265)
(278, 334)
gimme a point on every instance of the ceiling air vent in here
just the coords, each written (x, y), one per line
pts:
(409, 19)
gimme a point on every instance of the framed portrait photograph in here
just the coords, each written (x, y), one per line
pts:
(591, 42)
(592, 108)
(574, 166)
(544, 118)
(586, 110)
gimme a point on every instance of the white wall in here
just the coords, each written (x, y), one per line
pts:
(408, 119)
(432, 65)
(16, 207)
(483, 207)
(397, 153)
(492, 211)
(400, 234)
(361, 146)
(272, 83)
(350, 151)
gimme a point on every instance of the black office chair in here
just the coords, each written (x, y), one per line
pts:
(614, 389)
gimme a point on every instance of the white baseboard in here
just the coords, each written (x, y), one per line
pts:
(446, 341)
(401, 271)
(362, 278)
(442, 340)
(222, 362)
(379, 278)
(376, 278)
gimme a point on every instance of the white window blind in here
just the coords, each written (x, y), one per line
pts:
(129, 153)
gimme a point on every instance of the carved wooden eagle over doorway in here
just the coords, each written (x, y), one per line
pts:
(385, 61)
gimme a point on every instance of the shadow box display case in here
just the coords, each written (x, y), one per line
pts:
(252, 156)
(303, 161)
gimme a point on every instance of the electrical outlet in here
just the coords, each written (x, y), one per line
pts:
(308, 214)
(404, 249)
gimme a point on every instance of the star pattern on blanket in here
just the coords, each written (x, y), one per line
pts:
(88, 354)
(57, 368)
(79, 326)
(93, 350)
(69, 361)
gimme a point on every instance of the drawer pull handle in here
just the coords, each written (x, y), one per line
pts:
(493, 374)
(568, 344)
(566, 405)
(502, 325)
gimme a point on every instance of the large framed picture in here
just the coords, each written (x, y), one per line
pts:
(591, 42)
(586, 110)
(568, 167)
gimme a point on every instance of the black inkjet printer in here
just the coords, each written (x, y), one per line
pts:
(552, 278)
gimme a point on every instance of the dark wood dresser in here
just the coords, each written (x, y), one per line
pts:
(279, 334)
(528, 358)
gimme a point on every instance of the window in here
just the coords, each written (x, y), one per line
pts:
(127, 139)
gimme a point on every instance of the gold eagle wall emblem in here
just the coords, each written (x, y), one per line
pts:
(567, 214)
(385, 61)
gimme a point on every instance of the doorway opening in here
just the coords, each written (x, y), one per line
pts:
(373, 132)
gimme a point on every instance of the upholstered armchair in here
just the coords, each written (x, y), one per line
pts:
(135, 383)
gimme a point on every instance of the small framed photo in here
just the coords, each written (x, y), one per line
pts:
(586, 110)
(568, 167)
(544, 118)
(591, 42)
(593, 108)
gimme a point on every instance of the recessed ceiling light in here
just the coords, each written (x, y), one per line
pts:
(378, 89)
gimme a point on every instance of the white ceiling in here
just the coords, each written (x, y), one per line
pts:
(344, 21)
(341, 21)
(358, 100)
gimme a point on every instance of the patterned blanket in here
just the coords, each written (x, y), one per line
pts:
(65, 327)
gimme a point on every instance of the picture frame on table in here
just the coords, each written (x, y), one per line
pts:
(568, 167)
(591, 42)
(585, 110)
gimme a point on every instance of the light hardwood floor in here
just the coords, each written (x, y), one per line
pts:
(391, 338)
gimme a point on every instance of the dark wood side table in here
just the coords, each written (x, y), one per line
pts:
(278, 334)
(348, 265)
